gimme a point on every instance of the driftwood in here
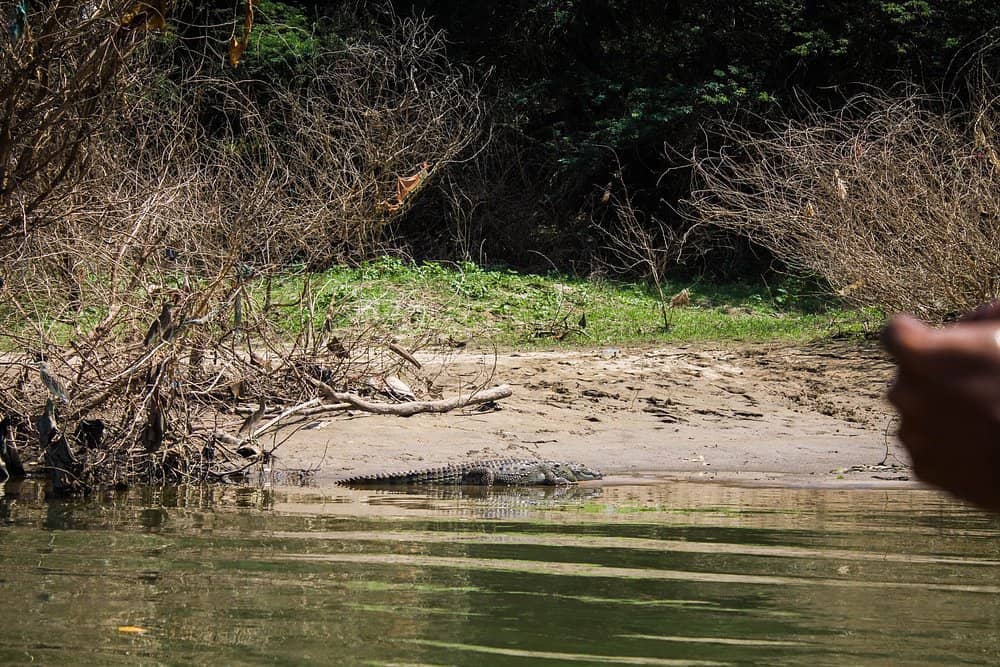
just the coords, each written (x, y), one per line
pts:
(347, 400)
(413, 407)
(290, 411)
(324, 408)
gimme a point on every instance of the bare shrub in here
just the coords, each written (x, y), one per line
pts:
(141, 282)
(637, 246)
(894, 199)
(373, 125)
(309, 170)
(61, 68)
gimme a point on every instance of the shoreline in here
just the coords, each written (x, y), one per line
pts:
(779, 413)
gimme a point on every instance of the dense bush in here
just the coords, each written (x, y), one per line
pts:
(893, 199)
(589, 91)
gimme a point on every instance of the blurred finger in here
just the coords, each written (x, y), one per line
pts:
(905, 336)
(929, 357)
(929, 470)
(902, 396)
(987, 311)
(913, 437)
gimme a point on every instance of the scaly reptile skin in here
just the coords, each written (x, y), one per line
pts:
(500, 472)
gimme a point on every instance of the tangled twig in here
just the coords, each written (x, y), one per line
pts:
(894, 199)
(150, 280)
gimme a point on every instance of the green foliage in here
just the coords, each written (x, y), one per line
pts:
(599, 88)
(469, 303)
(285, 35)
(282, 34)
(730, 86)
(819, 43)
(634, 75)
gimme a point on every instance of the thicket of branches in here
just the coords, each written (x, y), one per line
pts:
(572, 79)
(894, 199)
(61, 71)
(146, 213)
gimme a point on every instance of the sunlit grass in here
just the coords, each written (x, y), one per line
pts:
(466, 303)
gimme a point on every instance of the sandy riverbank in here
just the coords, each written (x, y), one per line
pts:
(796, 414)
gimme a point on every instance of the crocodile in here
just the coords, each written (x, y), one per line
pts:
(498, 472)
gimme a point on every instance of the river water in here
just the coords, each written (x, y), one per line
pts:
(677, 573)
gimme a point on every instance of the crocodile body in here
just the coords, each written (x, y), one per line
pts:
(499, 472)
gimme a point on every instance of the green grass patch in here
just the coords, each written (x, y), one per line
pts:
(467, 303)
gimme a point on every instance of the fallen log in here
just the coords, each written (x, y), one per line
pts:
(411, 408)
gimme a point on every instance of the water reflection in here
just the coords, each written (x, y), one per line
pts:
(678, 573)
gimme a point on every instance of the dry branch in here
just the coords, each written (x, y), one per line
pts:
(405, 355)
(411, 408)
(137, 275)
(284, 415)
(637, 245)
(894, 200)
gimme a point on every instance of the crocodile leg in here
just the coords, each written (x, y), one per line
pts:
(479, 476)
(552, 478)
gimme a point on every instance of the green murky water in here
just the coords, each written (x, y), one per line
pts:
(673, 574)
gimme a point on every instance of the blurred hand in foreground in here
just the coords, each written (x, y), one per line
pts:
(947, 392)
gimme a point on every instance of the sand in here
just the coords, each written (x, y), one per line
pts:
(777, 413)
